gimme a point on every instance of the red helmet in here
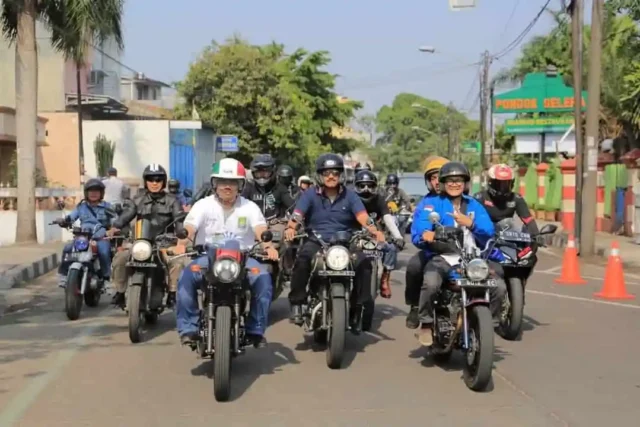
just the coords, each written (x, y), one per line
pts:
(501, 179)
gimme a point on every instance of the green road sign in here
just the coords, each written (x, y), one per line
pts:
(539, 93)
(538, 125)
(470, 147)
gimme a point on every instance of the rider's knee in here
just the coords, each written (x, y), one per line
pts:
(415, 265)
(432, 281)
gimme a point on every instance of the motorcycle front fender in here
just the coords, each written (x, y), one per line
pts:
(137, 278)
(75, 266)
(338, 290)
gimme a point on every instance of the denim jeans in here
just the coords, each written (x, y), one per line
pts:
(188, 312)
(389, 256)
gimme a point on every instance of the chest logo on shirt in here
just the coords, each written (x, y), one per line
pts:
(242, 222)
(269, 200)
(511, 204)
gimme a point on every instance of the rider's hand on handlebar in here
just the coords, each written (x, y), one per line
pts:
(289, 234)
(380, 236)
(399, 243)
(112, 231)
(429, 236)
(272, 253)
(461, 219)
(180, 248)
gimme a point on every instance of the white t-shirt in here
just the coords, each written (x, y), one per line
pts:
(207, 216)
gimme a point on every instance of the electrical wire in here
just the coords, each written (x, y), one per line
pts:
(516, 42)
(506, 26)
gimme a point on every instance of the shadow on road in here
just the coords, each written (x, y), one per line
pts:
(247, 368)
(279, 311)
(529, 323)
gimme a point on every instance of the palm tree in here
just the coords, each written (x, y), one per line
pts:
(74, 25)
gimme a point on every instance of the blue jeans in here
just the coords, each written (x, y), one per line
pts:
(390, 256)
(188, 313)
(104, 257)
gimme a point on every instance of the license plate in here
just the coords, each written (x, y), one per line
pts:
(373, 254)
(141, 264)
(334, 273)
(465, 283)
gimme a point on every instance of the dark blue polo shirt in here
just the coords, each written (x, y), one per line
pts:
(327, 218)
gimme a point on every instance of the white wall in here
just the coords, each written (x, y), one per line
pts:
(46, 233)
(138, 143)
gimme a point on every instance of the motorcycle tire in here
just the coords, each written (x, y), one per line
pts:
(92, 297)
(337, 331)
(72, 296)
(222, 355)
(134, 302)
(511, 325)
(478, 361)
(367, 315)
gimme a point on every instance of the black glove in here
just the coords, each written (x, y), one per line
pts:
(399, 243)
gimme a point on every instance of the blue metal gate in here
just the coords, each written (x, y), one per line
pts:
(182, 157)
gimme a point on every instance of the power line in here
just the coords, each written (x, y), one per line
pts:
(516, 42)
(506, 26)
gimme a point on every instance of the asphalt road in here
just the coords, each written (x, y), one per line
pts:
(577, 364)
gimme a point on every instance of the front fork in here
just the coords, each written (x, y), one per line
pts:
(465, 322)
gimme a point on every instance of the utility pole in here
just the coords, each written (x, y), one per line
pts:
(484, 101)
(576, 49)
(492, 130)
(450, 138)
(588, 222)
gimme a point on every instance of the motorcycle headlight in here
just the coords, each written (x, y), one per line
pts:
(477, 270)
(226, 270)
(337, 258)
(141, 250)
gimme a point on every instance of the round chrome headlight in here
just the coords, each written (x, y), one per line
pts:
(141, 250)
(337, 258)
(477, 270)
(226, 270)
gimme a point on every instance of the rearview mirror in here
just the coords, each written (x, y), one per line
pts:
(434, 217)
(549, 229)
(182, 234)
(266, 236)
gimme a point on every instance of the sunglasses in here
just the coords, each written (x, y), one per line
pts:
(455, 181)
(330, 172)
(366, 187)
(155, 179)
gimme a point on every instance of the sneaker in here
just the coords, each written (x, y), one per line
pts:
(62, 281)
(425, 336)
(189, 338)
(413, 320)
(296, 315)
(118, 299)
(258, 341)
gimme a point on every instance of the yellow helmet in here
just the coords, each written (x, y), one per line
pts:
(434, 164)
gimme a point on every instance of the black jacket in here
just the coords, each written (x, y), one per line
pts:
(273, 200)
(160, 211)
(506, 208)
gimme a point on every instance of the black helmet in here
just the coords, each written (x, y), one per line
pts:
(112, 171)
(326, 162)
(285, 175)
(94, 184)
(453, 169)
(392, 179)
(263, 162)
(362, 167)
(155, 170)
(366, 184)
(173, 184)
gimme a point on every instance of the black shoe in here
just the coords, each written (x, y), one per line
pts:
(119, 300)
(296, 314)
(413, 320)
(356, 320)
(258, 341)
(188, 339)
(171, 299)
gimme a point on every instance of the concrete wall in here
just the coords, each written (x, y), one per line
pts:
(58, 161)
(138, 143)
(46, 233)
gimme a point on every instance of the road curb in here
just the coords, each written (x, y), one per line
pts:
(26, 272)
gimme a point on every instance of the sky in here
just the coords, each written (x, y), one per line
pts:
(373, 43)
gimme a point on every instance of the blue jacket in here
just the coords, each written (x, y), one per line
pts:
(482, 229)
(96, 218)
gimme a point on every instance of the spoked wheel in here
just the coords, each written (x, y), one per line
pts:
(478, 364)
(337, 317)
(72, 296)
(136, 314)
(222, 355)
(511, 319)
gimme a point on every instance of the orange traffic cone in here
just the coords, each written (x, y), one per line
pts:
(614, 287)
(570, 267)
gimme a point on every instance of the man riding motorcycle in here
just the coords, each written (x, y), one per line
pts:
(329, 209)
(393, 193)
(161, 208)
(459, 210)
(272, 197)
(414, 275)
(366, 185)
(94, 214)
(501, 202)
(225, 215)
(285, 178)
(174, 188)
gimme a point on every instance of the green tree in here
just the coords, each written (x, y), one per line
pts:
(282, 104)
(73, 24)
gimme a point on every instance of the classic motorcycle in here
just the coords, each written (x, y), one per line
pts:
(462, 318)
(84, 278)
(147, 277)
(513, 250)
(225, 304)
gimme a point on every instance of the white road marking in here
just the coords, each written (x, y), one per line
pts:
(569, 297)
(555, 273)
(16, 408)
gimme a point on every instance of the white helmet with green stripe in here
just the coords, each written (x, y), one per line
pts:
(228, 169)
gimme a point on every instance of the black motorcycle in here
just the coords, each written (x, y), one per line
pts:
(462, 317)
(514, 250)
(147, 277)
(84, 278)
(225, 303)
